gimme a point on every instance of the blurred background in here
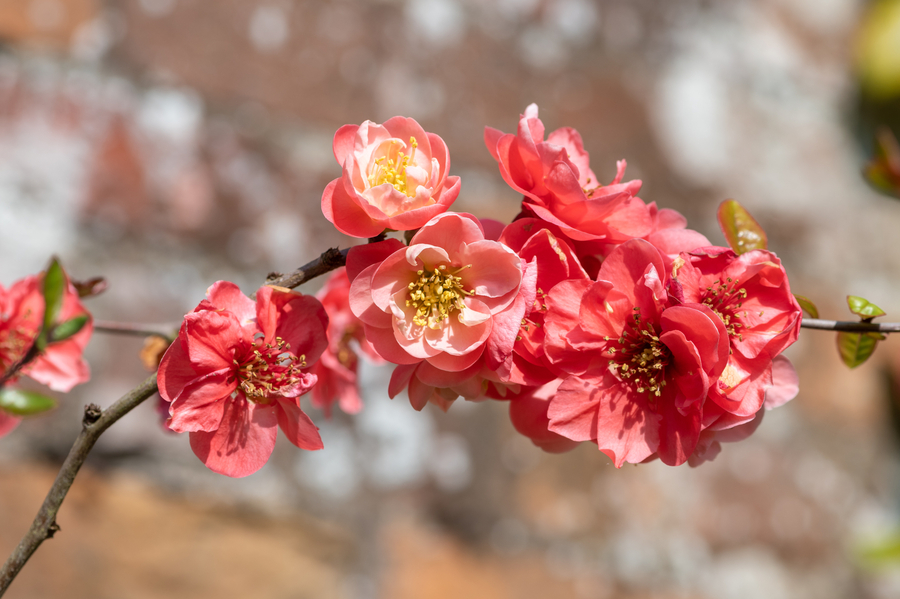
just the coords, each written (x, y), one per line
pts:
(167, 144)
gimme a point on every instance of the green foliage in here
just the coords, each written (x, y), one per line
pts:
(25, 403)
(66, 329)
(863, 308)
(856, 348)
(807, 305)
(741, 230)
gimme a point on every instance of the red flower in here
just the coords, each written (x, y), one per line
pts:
(643, 367)
(336, 369)
(559, 186)
(235, 374)
(752, 296)
(395, 177)
(61, 365)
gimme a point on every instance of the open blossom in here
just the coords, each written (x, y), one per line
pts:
(643, 366)
(337, 368)
(236, 373)
(441, 304)
(752, 296)
(395, 176)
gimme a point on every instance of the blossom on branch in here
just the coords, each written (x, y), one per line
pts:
(236, 372)
(395, 176)
(442, 308)
(337, 368)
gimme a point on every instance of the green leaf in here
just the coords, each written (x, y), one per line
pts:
(54, 289)
(66, 329)
(864, 308)
(856, 348)
(25, 403)
(881, 552)
(807, 305)
(741, 230)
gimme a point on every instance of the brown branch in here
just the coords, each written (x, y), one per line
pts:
(14, 369)
(140, 330)
(850, 326)
(44, 525)
(330, 259)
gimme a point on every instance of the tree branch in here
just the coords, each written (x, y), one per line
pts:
(44, 525)
(140, 330)
(850, 326)
(330, 259)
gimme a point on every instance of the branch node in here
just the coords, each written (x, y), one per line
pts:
(92, 413)
(273, 275)
(52, 529)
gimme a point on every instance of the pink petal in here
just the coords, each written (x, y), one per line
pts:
(244, 441)
(7, 421)
(225, 295)
(450, 231)
(210, 339)
(361, 257)
(785, 383)
(361, 303)
(400, 378)
(495, 269)
(297, 426)
(201, 404)
(678, 433)
(344, 141)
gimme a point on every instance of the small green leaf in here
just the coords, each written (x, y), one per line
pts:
(856, 348)
(741, 230)
(807, 305)
(66, 329)
(864, 308)
(25, 403)
(54, 288)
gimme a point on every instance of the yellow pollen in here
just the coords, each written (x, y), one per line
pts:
(393, 170)
(436, 294)
(269, 368)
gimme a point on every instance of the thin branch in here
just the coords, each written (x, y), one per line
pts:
(850, 326)
(14, 369)
(330, 259)
(139, 330)
(44, 525)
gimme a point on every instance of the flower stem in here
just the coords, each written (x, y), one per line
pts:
(140, 330)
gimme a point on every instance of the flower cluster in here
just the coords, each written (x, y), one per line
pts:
(60, 365)
(597, 316)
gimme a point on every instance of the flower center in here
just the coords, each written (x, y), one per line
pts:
(393, 170)
(268, 369)
(726, 299)
(435, 295)
(639, 357)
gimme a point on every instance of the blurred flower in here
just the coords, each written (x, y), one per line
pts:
(395, 177)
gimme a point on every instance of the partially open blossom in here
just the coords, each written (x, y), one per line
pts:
(447, 300)
(61, 365)
(642, 367)
(395, 176)
(560, 187)
(337, 368)
(236, 373)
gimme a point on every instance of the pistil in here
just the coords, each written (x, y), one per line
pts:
(269, 368)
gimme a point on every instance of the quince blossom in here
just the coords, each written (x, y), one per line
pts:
(442, 308)
(61, 365)
(395, 176)
(236, 372)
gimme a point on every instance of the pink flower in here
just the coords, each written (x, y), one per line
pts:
(336, 369)
(235, 375)
(752, 296)
(395, 177)
(528, 414)
(441, 304)
(642, 367)
(60, 366)
(559, 186)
